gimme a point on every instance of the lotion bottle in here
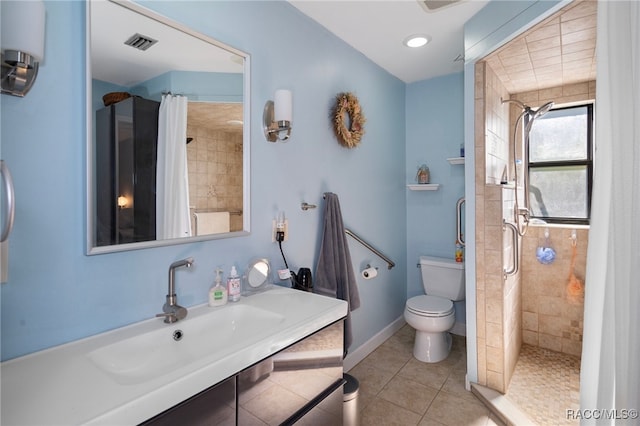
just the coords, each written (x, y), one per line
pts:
(233, 285)
(218, 292)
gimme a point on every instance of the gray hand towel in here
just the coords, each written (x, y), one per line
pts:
(334, 272)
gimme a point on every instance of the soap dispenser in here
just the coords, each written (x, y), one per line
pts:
(218, 292)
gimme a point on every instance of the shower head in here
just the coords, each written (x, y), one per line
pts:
(542, 110)
(537, 114)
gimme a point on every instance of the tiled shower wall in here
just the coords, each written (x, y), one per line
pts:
(497, 300)
(552, 316)
(215, 172)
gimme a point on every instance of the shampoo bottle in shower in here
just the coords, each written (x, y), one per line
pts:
(233, 285)
(218, 292)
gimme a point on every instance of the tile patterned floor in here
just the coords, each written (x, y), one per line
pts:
(545, 384)
(397, 389)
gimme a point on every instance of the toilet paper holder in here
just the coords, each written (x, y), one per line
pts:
(369, 272)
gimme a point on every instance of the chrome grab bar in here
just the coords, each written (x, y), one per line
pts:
(10, 202)
(514, 232)
(390, 263)
(459, 236)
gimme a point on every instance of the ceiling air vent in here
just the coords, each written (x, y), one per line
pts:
(140, 41)
(434, 5)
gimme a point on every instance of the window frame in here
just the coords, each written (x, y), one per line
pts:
(588, 162)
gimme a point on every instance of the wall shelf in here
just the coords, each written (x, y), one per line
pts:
(456, 160)
(424, 187)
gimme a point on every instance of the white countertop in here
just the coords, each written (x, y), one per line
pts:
(63, 386)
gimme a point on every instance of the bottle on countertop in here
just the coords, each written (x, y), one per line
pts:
(218, 292)
(233, 285)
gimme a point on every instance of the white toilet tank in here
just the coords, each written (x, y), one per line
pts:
(442, 277)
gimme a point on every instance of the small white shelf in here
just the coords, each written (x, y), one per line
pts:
(424, 187)
(456, 160)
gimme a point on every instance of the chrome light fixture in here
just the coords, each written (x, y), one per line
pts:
(22, 42)
(277, 116)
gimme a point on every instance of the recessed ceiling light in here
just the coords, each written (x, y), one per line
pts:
(416, 40)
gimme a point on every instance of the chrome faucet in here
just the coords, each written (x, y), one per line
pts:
(171, 311)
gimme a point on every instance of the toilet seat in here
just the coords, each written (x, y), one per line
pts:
(430, 306)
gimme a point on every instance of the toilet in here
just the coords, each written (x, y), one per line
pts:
(432, 315)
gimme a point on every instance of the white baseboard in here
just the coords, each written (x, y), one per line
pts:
(360, 353)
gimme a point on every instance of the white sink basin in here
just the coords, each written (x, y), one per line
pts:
(215, 333)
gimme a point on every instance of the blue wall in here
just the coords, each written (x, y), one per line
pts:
(434, 123)
(56, 293)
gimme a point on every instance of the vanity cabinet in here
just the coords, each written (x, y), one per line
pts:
(302, 383)
(125, 156)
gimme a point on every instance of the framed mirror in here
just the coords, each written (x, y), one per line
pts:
(167, 132)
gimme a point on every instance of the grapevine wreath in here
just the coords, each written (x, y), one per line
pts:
(348, 136)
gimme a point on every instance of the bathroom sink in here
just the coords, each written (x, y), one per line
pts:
(210, 333)
(132, 373)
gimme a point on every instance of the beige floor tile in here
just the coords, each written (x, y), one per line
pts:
(408, 394)
(371, 378)
(427, 374)
(387, 359)
(383, 413)
(455, 385)
(455, 411)
(401, 341)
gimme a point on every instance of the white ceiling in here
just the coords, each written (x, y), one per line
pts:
(377, 29)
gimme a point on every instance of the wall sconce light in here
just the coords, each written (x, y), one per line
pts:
(122, 201)
(277, 116)
(22, 44)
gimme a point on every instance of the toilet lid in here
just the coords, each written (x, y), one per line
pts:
(430, 305)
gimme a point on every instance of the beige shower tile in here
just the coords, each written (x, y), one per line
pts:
(495, 381)
(572, 347)
(550, 342)
(494, 335)
(495, 359)
(480, 313)
(493, 261)
(549, 305)
(529, 321)
(482, 361)
(493, 284)
(552, 325)
(493, 309)
(530, 337)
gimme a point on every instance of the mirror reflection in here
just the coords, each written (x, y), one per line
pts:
(169, 146)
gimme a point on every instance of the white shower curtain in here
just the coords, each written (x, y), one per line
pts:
(610, 371)
(172, 185)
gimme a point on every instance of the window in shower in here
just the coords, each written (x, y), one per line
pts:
(561, 165)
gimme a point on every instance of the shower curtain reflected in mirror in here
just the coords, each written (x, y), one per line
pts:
(172, 192)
